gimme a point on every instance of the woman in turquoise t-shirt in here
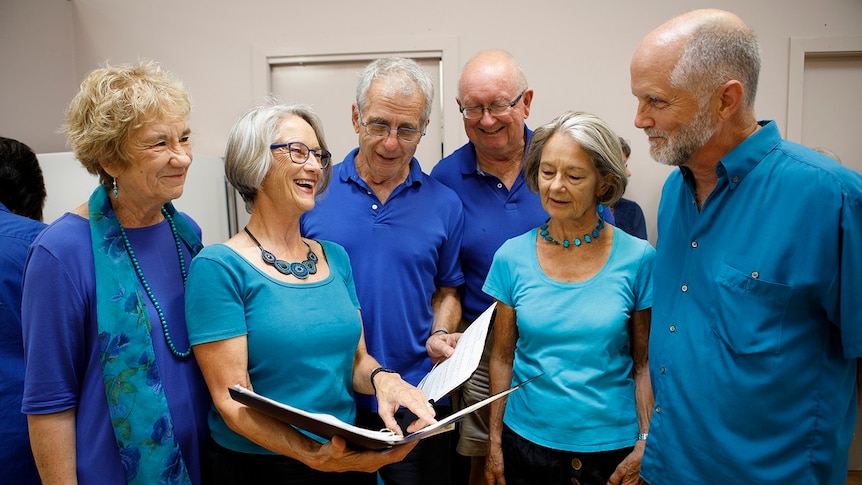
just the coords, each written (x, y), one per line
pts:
(278, 313)
(574, 303)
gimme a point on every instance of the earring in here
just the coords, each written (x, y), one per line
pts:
(115, 191)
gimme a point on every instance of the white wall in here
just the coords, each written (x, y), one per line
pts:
(575, 53)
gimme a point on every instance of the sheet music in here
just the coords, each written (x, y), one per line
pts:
(446, 376)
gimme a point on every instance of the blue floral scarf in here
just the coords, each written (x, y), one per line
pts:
(136, 399)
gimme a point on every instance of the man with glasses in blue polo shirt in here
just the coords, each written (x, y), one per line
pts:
(402, 231)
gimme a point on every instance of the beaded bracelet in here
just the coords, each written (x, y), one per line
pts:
(377, 371)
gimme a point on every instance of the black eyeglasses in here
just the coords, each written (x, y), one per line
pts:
(380, 130)
(476, 112)
(298, 153)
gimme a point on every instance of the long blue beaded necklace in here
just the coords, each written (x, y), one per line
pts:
(146, 285)
(588, 238)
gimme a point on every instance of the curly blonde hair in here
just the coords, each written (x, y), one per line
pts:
(114, 102)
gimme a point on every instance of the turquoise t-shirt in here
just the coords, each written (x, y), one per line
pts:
(302, 337)
(577, 334)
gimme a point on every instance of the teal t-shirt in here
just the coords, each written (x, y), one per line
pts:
(577, 334)
(302, 337)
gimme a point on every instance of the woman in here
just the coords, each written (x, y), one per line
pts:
(574, 298)
(276, 312)
(112, 392)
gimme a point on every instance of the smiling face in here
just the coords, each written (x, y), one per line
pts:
(492, 81)
(159, 155)
(383, 160)
(289, 184)
(569, 182)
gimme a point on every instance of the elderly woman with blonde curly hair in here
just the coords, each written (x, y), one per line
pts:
(112, 391)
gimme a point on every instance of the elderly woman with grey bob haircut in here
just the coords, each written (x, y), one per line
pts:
(277, 312)
(574, 298)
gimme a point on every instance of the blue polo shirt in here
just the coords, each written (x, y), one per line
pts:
(492, 214)
(400, 251)
(756, 324)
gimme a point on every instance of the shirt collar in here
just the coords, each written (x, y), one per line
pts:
(740, 161)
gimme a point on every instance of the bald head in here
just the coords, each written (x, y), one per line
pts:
(493, 66)
(704, 49)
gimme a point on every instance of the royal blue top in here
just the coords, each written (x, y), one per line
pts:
(577, 334)
(492, 214)
(62, 350)
(16, 459)
(756, 321)
(400, 251)
(301, 337)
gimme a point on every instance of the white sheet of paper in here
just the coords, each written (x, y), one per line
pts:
(446, 376)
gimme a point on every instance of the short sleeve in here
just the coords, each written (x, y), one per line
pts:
(214, 301)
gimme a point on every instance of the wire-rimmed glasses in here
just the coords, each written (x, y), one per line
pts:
(298, 153)
(497, 109)
(381, 130)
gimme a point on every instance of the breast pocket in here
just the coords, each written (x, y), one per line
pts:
(749, 311)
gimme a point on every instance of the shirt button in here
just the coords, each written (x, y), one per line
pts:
(661, 369)
(374, 206)
(755, 274)
(658, 409)
(368, 192)
(694, 244)
(499, 185)
(672, 328)
(735, 179)
(684, 288)
(576, 463)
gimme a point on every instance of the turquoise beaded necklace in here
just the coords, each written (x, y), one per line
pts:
(170, 341)
(588, 238)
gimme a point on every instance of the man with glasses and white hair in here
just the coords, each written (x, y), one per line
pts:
(402, 231)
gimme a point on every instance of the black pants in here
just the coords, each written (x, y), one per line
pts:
(526, 463)
(228, 467)
(427, 464)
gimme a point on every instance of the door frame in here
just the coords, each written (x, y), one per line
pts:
(800, 49)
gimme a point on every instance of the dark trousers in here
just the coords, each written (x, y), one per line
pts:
(427, 464)
(228, 467)
(526, 463)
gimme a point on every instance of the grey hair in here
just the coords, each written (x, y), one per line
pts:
(716, 53)
(401, 76)
(595, 137)
(248, 159)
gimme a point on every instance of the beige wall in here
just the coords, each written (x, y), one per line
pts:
(575, 53)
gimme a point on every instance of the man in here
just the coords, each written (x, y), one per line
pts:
(22, 197)
(402, 231)
(487, 174)
(755, 348)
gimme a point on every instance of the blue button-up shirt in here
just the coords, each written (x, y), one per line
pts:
(756, 324)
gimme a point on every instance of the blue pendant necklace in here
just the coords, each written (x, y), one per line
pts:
(170, 341)
(588, 238)
(297, 269)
